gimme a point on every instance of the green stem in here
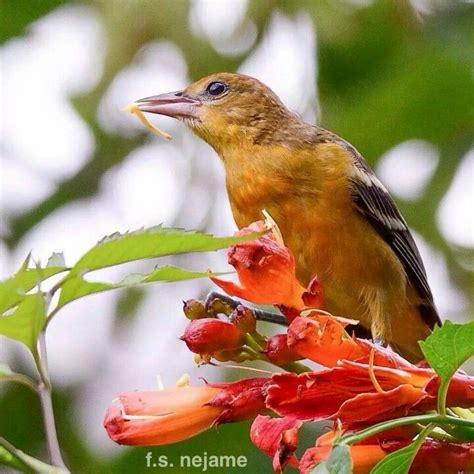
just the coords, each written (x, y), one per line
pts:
(409, 420)
(44, 392)
(15, 460)
(251, 353)
(296, 367)
(49, 297)
(259, 339)
(441, 435)
(250, 342)
(23, 462)
(442, 395)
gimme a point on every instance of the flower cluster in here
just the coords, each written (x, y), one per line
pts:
(360, 384)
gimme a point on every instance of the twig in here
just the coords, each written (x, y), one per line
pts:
(260, 314)
(44, 392)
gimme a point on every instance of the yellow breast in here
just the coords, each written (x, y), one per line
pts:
(307, 193)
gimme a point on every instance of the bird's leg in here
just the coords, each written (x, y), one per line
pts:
(260, 315)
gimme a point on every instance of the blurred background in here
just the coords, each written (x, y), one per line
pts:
(392, 77)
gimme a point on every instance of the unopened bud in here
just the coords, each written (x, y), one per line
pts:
(194, 309)
(217, 306)
(212, 335)
(278, 352)
(244, 319)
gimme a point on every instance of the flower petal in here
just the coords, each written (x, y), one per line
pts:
(161, 417)
(364, 457)
(323, 339)
(277, 437)
(373, 407)
(321, 394)
(266, 272)
(240, 400)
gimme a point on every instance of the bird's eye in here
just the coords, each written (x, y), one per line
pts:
(216, 88)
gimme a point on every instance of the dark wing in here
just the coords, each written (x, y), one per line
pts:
(372, 199)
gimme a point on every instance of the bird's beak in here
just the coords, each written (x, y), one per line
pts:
(172, 104)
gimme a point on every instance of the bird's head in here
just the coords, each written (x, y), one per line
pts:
(224, 109)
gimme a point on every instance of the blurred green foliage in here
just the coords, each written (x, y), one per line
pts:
(385, 75)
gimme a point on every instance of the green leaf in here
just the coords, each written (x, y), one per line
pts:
(338, 462)
(399, 462)
(26, 322)
(5, 370)
(150, 243)
(77, 287)
(448, 347)
(7, 375)
(11, 456)
(14, 289)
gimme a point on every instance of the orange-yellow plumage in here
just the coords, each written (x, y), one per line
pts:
(334, 214)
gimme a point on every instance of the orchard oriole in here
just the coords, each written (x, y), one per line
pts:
(334, 213)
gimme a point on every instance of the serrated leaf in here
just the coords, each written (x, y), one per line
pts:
(25, 323)
(56, 260)
(448, 347)
(338, 462)
(150, 243)
(11, 456)
(77, 287)
(13, 289)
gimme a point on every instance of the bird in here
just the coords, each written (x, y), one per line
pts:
(334, 214)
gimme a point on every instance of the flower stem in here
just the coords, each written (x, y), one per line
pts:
(44, 392)
(252, 343)
(442, 395)
(409, 420)
(260, 314)
(296, 367)
(440, 435)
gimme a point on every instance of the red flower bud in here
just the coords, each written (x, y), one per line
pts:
(278, 352)
(211, 335)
